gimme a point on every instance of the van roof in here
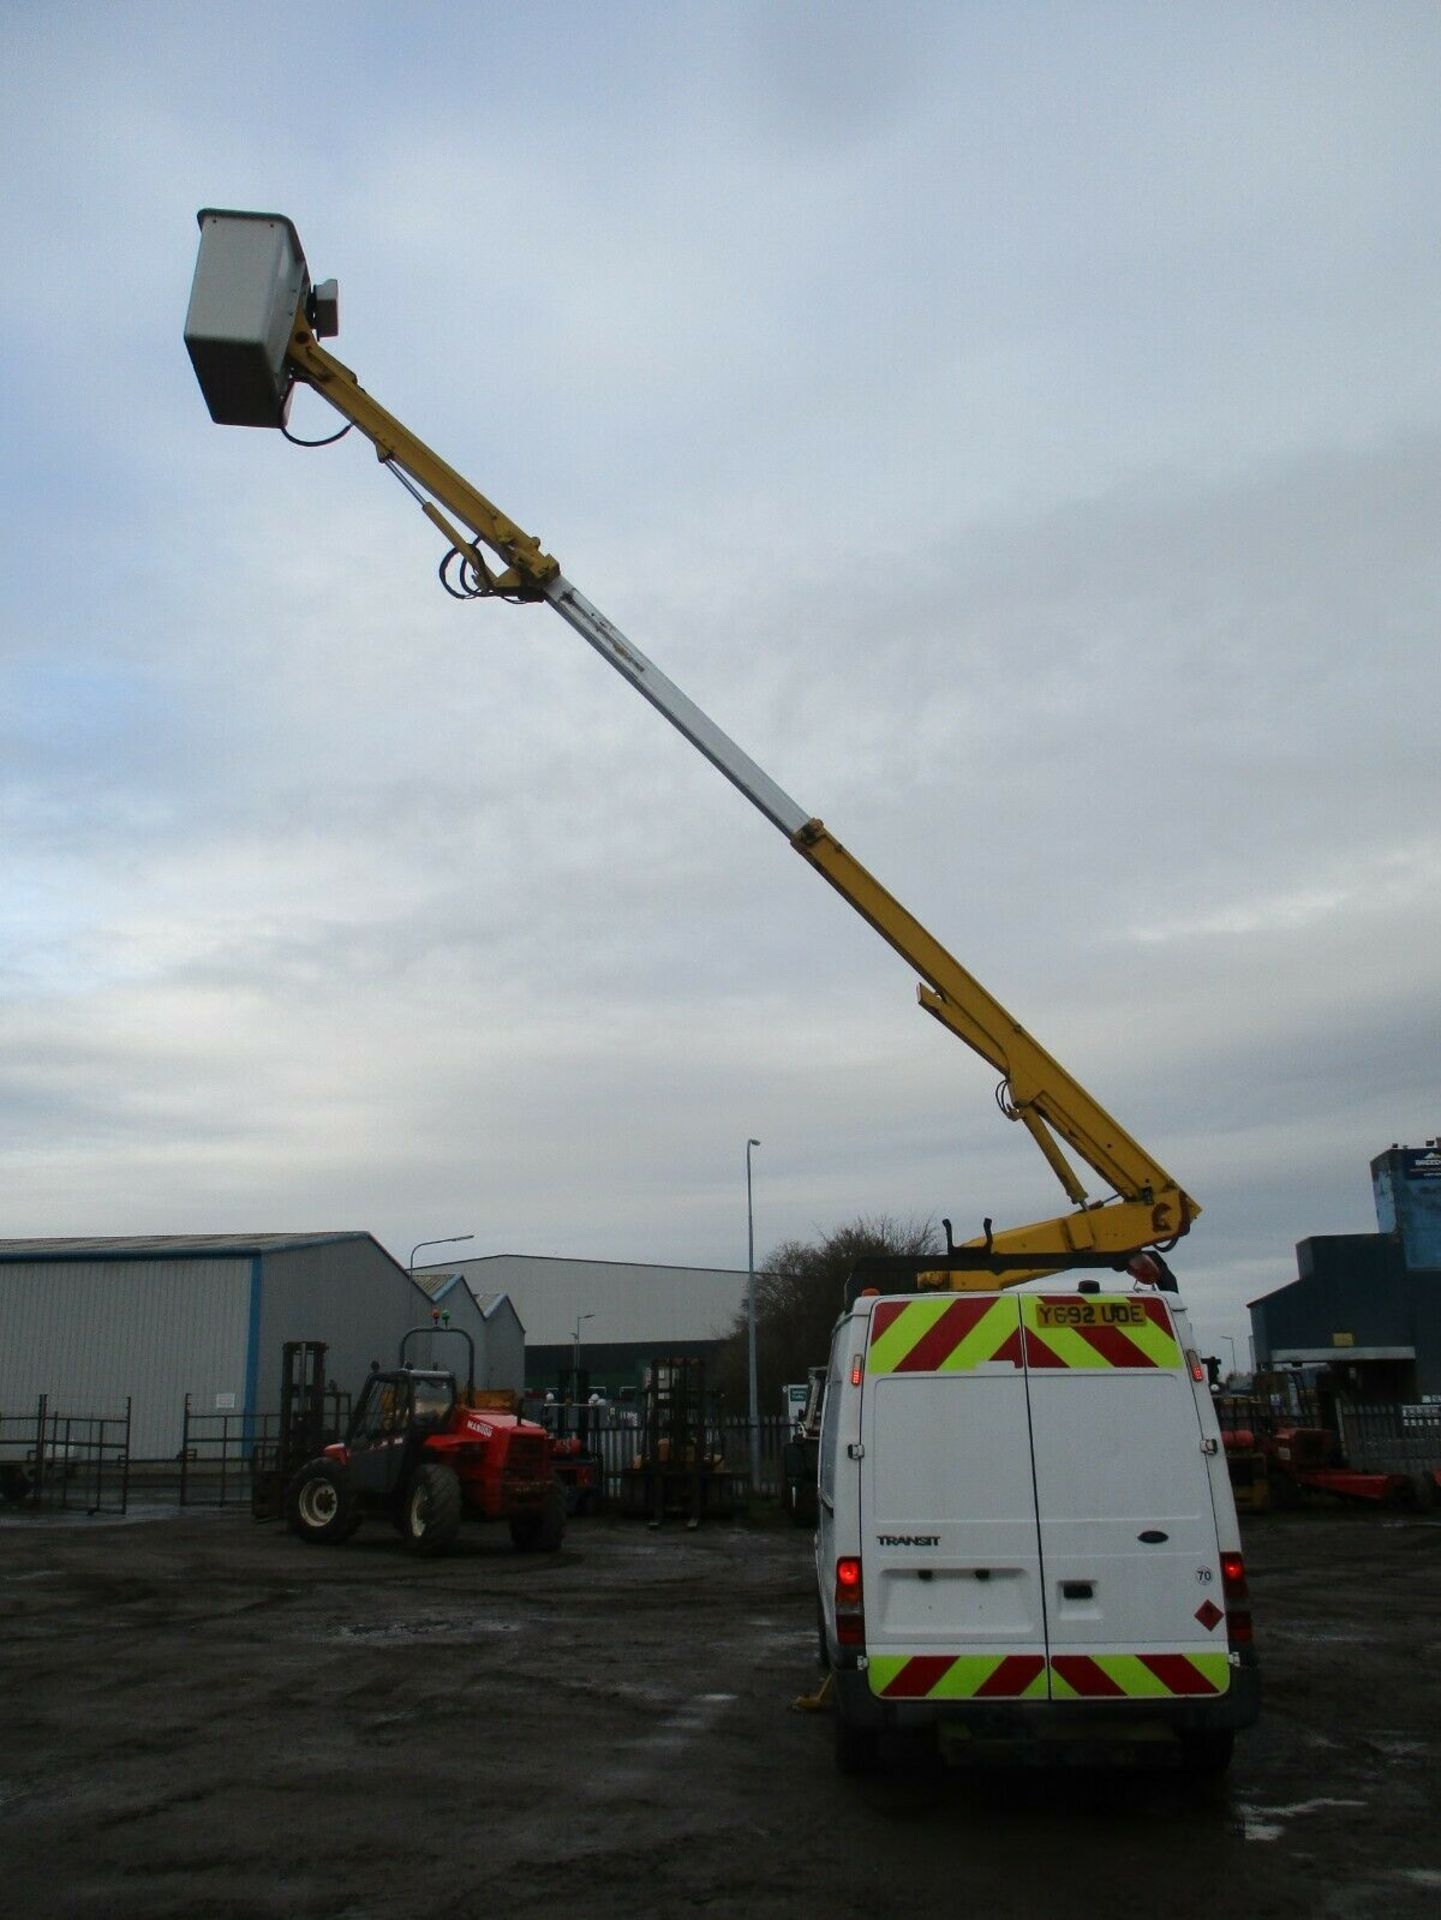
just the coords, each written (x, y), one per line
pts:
(864, 1297)
(902, 1272)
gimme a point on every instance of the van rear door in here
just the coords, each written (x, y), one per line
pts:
(950, 1545)
(1127, 1532)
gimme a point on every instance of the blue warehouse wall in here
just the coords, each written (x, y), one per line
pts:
(1407, 1184)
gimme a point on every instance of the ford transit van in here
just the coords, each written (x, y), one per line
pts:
(1027, 1540)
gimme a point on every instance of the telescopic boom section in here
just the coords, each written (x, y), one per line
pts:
(1146, 1207)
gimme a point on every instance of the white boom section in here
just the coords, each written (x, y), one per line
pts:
(666, 697)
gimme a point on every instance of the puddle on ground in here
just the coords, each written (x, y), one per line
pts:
(1269, 1823)
(1311, 1637)
(424, 1629)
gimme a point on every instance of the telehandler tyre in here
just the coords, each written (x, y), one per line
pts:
(320, 1504)
(432, 1509)
(541, 1532)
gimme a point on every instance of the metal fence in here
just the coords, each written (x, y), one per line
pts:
(615, 1434)
(55, 1460)
(217, 1451)
(222, 1454)
(1391, 1438)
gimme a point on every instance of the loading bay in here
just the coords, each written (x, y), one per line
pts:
(207, 1718)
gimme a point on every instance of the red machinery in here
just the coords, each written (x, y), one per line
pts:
(421, 1453)
(1269, 1463)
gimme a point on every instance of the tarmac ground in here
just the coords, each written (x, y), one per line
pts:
(208, 1719)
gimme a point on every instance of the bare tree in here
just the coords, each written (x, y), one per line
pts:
(800, 1290)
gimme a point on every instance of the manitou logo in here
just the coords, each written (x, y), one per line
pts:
(908, 1539)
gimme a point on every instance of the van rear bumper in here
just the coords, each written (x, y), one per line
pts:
(1040, 1722)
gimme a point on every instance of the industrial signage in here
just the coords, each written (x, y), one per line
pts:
(1421, 1163)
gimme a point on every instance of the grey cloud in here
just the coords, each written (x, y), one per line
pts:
(1021, 430)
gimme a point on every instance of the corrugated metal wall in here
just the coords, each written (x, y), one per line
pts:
(350, 1294)
(504, 1350)
(653, 1305)
(92, 1333)
(499, 1341)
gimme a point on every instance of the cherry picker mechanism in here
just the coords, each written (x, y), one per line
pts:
(254, 331)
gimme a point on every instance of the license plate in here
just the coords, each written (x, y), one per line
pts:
(1090, 1313)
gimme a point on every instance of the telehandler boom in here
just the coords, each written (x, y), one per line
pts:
(254, 330)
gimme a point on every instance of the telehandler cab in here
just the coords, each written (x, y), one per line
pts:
(422, 1454)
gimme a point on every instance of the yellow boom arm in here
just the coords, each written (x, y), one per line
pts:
(253, 331)
(1037, 1091)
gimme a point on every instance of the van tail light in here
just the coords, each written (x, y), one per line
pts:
(1237, 1597)
(850, 1607)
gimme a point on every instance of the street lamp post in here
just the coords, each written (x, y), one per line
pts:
(751, 1325)
(1232, 1345)
(449, 1240)
(575, 1353)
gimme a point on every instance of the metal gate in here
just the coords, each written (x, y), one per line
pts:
(1391, 1438)
(54, 1460)
(224, 1455)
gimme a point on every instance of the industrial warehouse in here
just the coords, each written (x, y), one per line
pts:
(604, 1319)
(170, 1325)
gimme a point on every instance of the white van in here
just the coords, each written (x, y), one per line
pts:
(1027, 1534)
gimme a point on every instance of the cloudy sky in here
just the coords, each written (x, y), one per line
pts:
(1018, 425)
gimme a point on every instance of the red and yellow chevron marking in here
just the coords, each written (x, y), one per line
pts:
(958, 1676)
(1072, 1676)
(947, 1334)
(1097, 1330)
(1138, 1676)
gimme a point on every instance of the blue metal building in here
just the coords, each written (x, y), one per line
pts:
(1368, 1305)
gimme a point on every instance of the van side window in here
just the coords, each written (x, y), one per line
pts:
(830, 1427)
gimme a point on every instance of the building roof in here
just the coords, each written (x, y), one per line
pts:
(608, 1300)
(439, 1283)
(171, 1246)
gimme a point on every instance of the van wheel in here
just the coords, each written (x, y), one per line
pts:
(856, 1749)
(1206, 1752)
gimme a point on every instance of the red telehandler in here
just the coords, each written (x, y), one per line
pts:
(422, 1454)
